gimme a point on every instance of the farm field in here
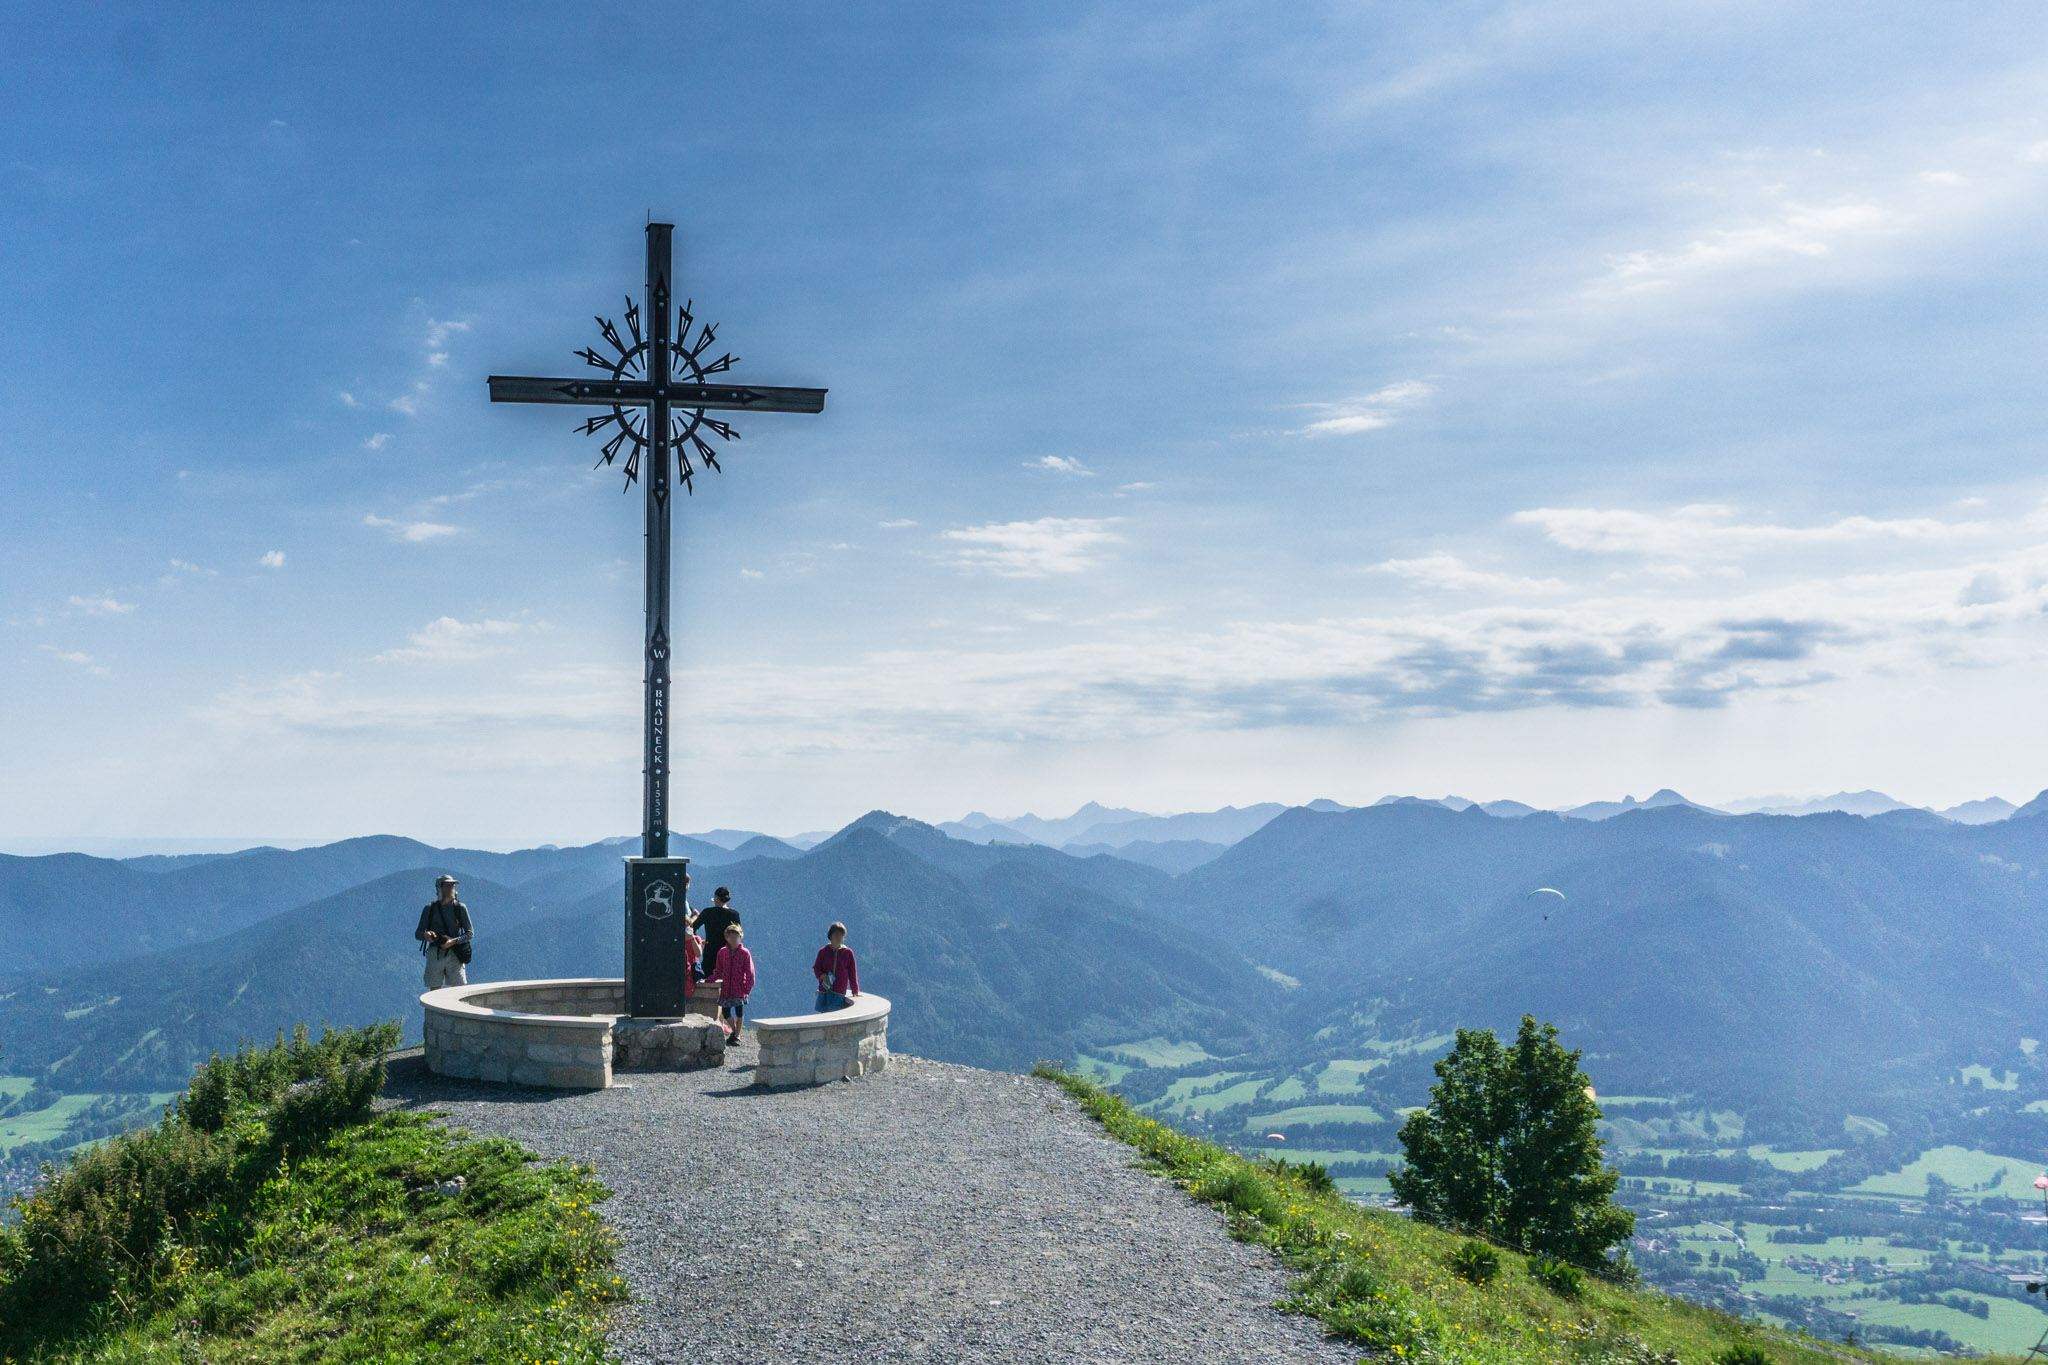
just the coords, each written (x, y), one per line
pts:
(1859, 1250)
(41, 1125)
(1972, 1174)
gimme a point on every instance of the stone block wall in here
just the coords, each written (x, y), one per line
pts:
(551, 1034)
(813, 1049)
(667, 1044)
(569, 1035)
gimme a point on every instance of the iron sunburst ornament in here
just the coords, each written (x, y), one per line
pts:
(686, 426)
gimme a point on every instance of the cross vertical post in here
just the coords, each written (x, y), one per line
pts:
(654, 804)
(659, 387)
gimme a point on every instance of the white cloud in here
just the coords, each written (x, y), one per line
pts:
(896, 524)
(1712, 528)
(437, 358)
(186, 566)
(378, 440)
(447, 640)
(408, 404)
(348, 400)
(76, 657)
(480, 488)
(101, 604)
(412, 531)
(1790, 232)
(1356, 416)
(272, 559)
(1449, 572)
(1061, 464)
(1033, 549)
(439, 332)
(752, 573)
(1142, 486)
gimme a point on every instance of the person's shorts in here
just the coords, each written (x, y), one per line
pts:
(732, 1009)
(831, 1000)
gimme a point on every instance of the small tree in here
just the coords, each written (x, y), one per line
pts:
(1507, 1147)
(1453, 1176)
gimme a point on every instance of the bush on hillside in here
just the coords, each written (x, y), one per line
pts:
(1743, 1355)
(1312, 1176)
(1561, 1278)
(123, 1216)
(1507, 1148)
(1475, 1261)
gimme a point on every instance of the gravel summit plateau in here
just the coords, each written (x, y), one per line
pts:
(930, 1213)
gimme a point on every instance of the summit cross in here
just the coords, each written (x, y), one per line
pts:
(656, 390)
(660, 393)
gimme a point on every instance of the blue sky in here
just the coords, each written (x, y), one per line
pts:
(1229, 403)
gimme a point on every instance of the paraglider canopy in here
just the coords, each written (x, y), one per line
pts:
(1547, 891)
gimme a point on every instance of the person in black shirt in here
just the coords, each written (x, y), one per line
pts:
(444, 936)
(712, 924)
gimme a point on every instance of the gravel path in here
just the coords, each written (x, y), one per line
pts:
(931, 1213)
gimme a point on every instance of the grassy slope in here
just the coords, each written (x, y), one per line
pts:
(1383, 1281)
(355, 1255)
(361, 1246)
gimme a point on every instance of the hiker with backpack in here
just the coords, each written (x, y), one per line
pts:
(445, 936)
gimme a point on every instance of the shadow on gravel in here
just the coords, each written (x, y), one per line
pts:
(408, 1082)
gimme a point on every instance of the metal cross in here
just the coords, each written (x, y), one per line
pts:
(658, 399)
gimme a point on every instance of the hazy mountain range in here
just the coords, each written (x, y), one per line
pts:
(1829, 962)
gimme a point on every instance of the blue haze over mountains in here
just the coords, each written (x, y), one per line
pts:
(1807, 966)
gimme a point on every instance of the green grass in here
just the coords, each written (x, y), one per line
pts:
(272, 1216)
(43, 1125)
(1102, 1069)
(353, 1254)
(1961, 1167)
(1384, 1282)
(10, 1086)
(1160, 1052)
(1343, 1077)
(1990, 1080)
(1309, 1115)
(1289, 1089)
(1187, 1087)
(1794, 1161)
(2012, 1326)
(1243, 1092)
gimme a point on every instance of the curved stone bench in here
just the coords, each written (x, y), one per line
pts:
(555, 1034)
(812, 1049)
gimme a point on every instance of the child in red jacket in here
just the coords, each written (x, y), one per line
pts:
(735, 977)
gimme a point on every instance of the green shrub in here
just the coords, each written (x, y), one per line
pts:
(260, 1076)
(114, 1226)
(1475, 1261)
(1560, 1277)
(1239, 1187)
(1312, 1176)
(1742, 1355)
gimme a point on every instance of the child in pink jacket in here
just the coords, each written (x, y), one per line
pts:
(735, 977)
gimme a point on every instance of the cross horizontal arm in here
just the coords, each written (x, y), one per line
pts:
(605, 392)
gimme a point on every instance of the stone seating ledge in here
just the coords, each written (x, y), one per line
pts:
(814, 1049)
(560, 1034)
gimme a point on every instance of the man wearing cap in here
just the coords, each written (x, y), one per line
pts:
(444, 936)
